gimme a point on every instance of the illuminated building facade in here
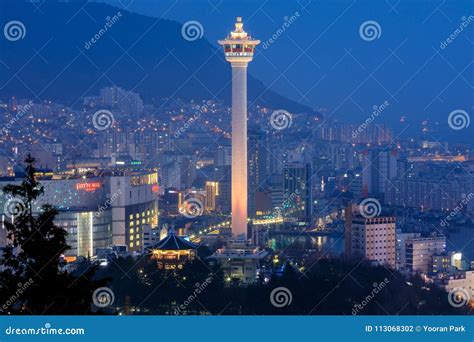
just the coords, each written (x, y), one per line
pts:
(257, 155)
(297, 192)
(373, 239)
(98, 211)
(429, 192)
(78, 200)
(466, 283)
(240, 262)
(420, 252)
(239, 50)
(212, 193)
(441, 264)
(135, 208)
(170, 202)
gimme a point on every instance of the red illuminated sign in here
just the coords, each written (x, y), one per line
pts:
(88, 186)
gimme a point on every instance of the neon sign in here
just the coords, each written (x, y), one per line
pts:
(89, 187)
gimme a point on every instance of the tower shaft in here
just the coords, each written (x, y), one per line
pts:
(239, 148)
(239, 50)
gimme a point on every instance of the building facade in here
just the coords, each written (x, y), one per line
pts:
(297, 202)
(420, 252)
(373, 239)
(97, 211)
(379, 167)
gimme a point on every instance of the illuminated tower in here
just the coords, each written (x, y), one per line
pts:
(238, 49)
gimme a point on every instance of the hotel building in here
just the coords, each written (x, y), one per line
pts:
(97, 211)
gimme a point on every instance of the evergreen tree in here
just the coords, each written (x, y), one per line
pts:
(31, 280)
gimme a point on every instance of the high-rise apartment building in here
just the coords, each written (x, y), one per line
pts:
(372, 239)
(256, 167)
(125, 101)
(378, 169)
(212, 195)
(297, 202)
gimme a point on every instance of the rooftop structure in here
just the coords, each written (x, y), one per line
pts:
(172, 252)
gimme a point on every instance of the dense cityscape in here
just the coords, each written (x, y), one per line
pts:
(184, 206)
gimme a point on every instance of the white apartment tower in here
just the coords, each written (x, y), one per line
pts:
(373, 239)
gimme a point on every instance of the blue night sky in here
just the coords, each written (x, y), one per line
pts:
(321, 61)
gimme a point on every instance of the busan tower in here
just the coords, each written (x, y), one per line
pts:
(238, 49)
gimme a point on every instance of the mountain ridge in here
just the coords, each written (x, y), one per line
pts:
(71, 50)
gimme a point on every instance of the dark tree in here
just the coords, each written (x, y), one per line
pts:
(32, 281)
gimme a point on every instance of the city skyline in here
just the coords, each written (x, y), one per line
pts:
(146, 170)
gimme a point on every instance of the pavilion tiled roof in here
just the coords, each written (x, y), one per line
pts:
(174, 242)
